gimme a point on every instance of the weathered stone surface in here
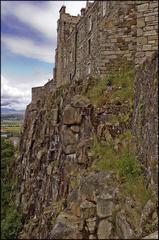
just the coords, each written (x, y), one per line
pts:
(92, 185)
(70, 140)
(60, 132)
(144, 118)
(75, 129)
(152, 236)
(80, 101)
(72, 115)
(104, 229)
(65, 227)
(105, 204)
(54, 116)
(91, 224)
(88, 209)
(147, 212)
(123, 229)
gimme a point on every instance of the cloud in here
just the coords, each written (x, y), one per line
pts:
(42, 18)
(12, 96)
(28, 48)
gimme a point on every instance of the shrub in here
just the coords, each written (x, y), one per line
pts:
(10, 216)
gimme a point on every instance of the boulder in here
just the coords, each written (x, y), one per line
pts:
(66, 227)
(72, 115)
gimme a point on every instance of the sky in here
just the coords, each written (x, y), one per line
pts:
(28, 42)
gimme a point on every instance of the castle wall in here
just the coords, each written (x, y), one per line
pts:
(105, 31)
(147, 26)
(37, 92)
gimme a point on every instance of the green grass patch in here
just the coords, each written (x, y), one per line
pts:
(124, 163)
(121, 76)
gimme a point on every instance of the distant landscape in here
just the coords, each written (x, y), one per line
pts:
(11, 122)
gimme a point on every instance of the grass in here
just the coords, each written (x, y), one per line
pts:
(13, 127)
(124, 163)
(121, 76)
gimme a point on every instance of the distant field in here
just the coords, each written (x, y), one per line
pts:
(13, 127)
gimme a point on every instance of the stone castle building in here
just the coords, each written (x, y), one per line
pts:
(105, 31)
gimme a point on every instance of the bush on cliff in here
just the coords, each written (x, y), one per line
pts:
(10, 217)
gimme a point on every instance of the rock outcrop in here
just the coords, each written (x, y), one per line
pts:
(76, 177)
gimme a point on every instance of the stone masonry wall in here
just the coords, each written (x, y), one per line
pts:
(147, 29)
(105, 31)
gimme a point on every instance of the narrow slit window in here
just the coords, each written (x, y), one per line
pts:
(90, 23)
(104, 7)
(89, 69)
(89, 46)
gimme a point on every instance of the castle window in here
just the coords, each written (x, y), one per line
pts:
(70, 56)
(89, 46)
(89, 68)
(90, 23)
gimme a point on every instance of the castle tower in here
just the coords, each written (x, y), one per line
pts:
(65, 26)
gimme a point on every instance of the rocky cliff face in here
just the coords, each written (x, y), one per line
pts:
(78, 175)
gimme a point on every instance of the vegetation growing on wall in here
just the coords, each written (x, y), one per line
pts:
(121, 78)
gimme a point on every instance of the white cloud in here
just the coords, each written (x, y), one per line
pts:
(13, 96)
(43, 19)
(28, 48)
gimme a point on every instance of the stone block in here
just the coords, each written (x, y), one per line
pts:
(149, 18)
(72, 115)
(153, 37)
(105, 205)
(142, 7)
(142, 40)
(153, 4)
(147, 47)
(150, 33)
(91, 224)
(139, 32)
(104, 229)
(140, 22)
(88, 209)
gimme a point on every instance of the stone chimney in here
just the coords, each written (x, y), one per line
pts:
(83, 10)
